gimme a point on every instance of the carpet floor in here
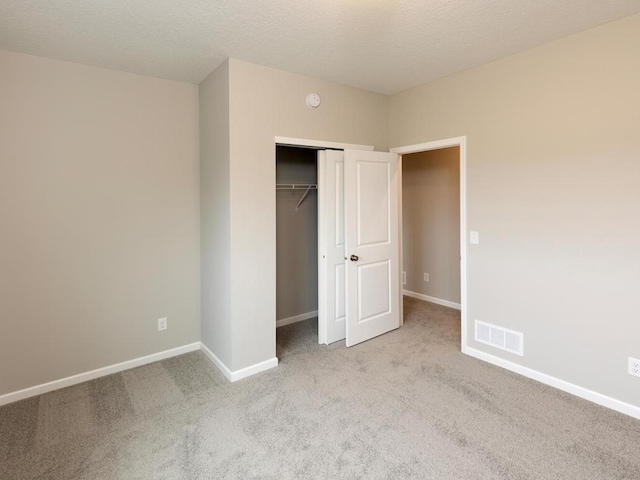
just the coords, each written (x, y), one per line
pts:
(402, 406)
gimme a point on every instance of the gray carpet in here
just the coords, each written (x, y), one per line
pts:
(405, 405)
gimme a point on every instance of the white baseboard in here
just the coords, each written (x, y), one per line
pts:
(99, 372)
(590, 395)
(427, 298)
(253, 369)
(296, 318)
(137, 362)
(216, 361)
(234, 376)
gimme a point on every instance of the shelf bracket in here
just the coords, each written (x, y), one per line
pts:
(304, 195)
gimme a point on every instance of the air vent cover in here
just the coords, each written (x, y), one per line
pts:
(499, 337)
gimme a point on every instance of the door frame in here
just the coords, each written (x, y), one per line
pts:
(437, 145)
(316, 145)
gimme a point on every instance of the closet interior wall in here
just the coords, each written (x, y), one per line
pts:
(296, 234)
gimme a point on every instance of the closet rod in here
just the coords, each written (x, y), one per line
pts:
(298, 186)
(295, 186)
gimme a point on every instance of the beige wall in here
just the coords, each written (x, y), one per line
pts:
(99, 213)
(431, 222)
(215, 209)
(553, 169)
(296, 234)
(265, 103)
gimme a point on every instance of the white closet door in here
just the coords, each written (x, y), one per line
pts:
(372, 244)
(331, 299)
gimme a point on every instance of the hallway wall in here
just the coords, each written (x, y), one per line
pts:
(431, 222)
(552, 150)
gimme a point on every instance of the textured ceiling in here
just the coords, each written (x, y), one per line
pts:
(380, 45)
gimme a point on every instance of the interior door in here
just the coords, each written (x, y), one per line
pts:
(331, 267)
(372, 244)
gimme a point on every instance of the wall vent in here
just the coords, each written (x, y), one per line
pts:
(500, 337)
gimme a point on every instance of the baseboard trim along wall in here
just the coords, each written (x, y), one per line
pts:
(93, 374)
(427, 298)
(296, 318)
(216, 361)
(586, 394)
(234, 376)
(138, 362)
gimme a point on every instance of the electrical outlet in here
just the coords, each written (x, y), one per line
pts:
(634, 367)
(162, 324)
(404, 278)
(426, 277)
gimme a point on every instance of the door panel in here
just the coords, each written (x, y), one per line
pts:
(337, 161)
(373, 279)
(372, 215)
(332, 311)
(372, 244)
(340, 308)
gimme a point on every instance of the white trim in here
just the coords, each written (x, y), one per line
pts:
(403, 277)
(93, 374)
(427, 298)
(301, 142)
(137, 362)
(322, 247)
(462, 143)
(425, 147)
(243, 372)
(296, 318)
(216, 361)
(463, 241)
(253, 369)
(590, 395)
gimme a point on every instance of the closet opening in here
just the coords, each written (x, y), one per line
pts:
(296, 248)
(328, 199)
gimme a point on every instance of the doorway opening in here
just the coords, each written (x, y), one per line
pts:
(433, 219)
(296, 248)
(431, 226)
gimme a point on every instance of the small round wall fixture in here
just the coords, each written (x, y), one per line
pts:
(313, 100)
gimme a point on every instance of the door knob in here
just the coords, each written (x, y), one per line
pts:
(354, 258)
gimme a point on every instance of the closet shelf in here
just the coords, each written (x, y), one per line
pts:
(298, 186)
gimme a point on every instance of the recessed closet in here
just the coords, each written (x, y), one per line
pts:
(337, 242)
(296, 234)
